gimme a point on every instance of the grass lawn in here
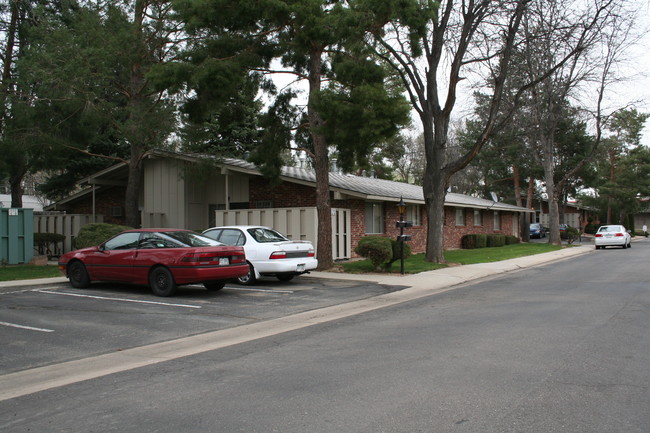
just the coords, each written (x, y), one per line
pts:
(416, 263)
(27, 272)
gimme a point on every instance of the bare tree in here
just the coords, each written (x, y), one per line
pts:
(593, 39)
(431, 50)
(434, 50)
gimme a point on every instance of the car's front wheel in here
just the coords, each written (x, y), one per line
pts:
(213, 286)
(249, 278)
(162, 281)
(78, 275)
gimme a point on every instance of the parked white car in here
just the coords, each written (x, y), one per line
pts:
(268, 252)
(612, 235)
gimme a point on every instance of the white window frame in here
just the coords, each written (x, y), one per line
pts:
(478, 218)
(413, 214)
(374, 218)
(497, 220)
(460, 216)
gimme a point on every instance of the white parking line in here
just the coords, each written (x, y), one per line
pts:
(31, 328)
(260, 290)
(118, 299)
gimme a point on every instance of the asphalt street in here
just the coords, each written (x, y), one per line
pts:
(537, 344)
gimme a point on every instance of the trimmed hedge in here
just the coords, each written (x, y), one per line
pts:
(496, 240)
(472, 241)
(377, 249)
(397, 253)
(381, 251)
(96, 233)
(511, 240)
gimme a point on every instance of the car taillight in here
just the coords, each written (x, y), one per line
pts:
(598, 235)
(311, 253)
(278, 255)
(238, 258)
(619, 234)
(200, 257)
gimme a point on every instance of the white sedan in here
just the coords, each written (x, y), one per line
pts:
(268, 252)
(612, 235)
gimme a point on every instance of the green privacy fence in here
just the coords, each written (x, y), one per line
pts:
(16, 235)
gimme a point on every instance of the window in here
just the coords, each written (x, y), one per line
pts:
(374, 218)
(497, 220)
(232, 237)
(413, 214)
(478, 218)
(124, 241)
(460, 216)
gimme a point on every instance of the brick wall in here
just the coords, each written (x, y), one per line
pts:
(286, 194)
(294, 195)
(454, 233)
(105, 199)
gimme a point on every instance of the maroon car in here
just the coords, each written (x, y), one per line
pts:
(160, 258)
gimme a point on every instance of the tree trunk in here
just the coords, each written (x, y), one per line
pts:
(524, 219)
(435, 190)
(135, 138)
(16, 176)
(321, 166)
(553, 209)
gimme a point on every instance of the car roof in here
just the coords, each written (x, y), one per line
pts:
(240, 227)
(155, 230)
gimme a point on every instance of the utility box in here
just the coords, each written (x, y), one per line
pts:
(16, 235)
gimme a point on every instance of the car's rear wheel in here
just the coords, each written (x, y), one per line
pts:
(249, 278)
(78, 275)
(285, 277)
(162, 281)
(213, 286)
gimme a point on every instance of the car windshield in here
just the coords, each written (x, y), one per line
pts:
(609, 229)
(263, 235)
(534, 226)
(189, 239)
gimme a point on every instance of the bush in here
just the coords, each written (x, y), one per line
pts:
(397, 253)
(47, 243)
(496, 240)
(47, 237)
(591, 228)
(377, 249)
(511, 240)
(472, 241)
(95, 234)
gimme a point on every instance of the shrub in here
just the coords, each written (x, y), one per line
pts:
(591, 228)
(47, 243)
(397, 252)
(377, 249)
(496, 240)
(511, 240)
(47, 237)
(468, 242)
(472, 241)
(95, 234)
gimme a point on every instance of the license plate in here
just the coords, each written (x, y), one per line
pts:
(300, 268)
(224, 261)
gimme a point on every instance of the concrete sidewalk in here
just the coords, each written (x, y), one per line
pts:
(453, 275)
